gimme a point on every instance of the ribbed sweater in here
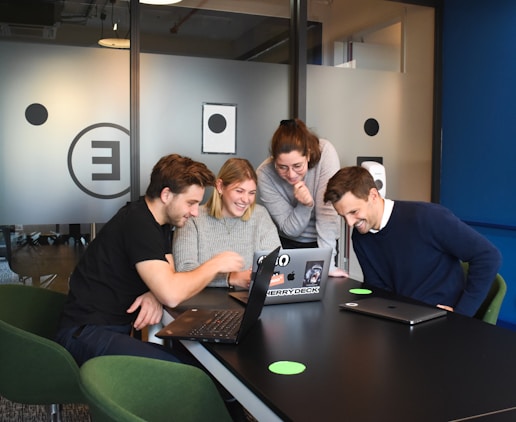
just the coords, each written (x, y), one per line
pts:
(204, 236)
(319, 223)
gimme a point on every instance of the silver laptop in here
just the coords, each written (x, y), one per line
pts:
(300, 275)
(408, 313)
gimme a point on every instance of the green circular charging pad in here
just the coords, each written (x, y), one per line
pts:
(285, 367)
(360, 291)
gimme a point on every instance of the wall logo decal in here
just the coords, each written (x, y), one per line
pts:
(98, 160)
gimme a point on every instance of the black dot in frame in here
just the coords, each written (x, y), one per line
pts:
(36, 114)
(217, 123)
(371, 127)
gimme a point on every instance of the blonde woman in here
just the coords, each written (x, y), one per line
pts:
(230, 220)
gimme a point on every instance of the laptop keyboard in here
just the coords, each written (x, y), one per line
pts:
(223, 323)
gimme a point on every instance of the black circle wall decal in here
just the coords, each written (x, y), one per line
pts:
(371, 127)
(36, 114)
(217, 123)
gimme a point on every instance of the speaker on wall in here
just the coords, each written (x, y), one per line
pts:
(377, 170)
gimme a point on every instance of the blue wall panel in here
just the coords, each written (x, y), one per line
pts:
(479, 109)
(479, 123)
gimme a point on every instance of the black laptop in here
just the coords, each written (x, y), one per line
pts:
(224, 325)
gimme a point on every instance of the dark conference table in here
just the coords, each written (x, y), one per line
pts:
(362, 368)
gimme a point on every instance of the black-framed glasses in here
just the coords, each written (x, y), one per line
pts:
(298, 167)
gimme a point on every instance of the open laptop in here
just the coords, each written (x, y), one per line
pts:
(408, 313)
(300, 275)
(224, 325)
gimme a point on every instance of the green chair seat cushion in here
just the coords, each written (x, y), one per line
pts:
(34, 369)
(129, 388)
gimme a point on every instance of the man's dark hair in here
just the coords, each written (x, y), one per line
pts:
(355, 179)
(178, 173)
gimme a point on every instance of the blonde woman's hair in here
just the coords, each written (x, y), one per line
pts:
(234, 170)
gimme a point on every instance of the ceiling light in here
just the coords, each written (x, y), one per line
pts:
(115, 43)
(159, 2)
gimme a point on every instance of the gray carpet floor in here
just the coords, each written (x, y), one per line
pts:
(16, 412)
(6, 275)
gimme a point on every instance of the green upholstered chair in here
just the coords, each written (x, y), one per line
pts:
(490, 308)
(129, 388)
(34, 369)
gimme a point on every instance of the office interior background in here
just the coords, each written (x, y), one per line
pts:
(427, 87)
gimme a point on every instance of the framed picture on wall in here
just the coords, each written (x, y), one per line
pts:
(219, 128)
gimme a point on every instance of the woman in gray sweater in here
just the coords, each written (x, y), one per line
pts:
(292, 182)
(230, 220)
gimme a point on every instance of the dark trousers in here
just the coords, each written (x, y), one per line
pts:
(88, 341)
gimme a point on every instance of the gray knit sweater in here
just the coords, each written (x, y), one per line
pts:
(296, 221)
(204, 236)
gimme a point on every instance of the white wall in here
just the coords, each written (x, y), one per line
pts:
(174, 88)
(340, 100)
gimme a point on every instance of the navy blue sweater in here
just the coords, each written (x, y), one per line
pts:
(418, 253)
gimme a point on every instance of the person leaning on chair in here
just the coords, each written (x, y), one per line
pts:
(127, 272)
(411, 248)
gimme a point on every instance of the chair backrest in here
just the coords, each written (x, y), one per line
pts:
(130, 388)
(490, 308)
(34, 369)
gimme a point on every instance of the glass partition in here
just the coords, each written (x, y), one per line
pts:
(64, 133)
(65, 115)
(64, 149)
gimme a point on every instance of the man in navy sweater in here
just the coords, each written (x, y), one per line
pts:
(413, 249)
